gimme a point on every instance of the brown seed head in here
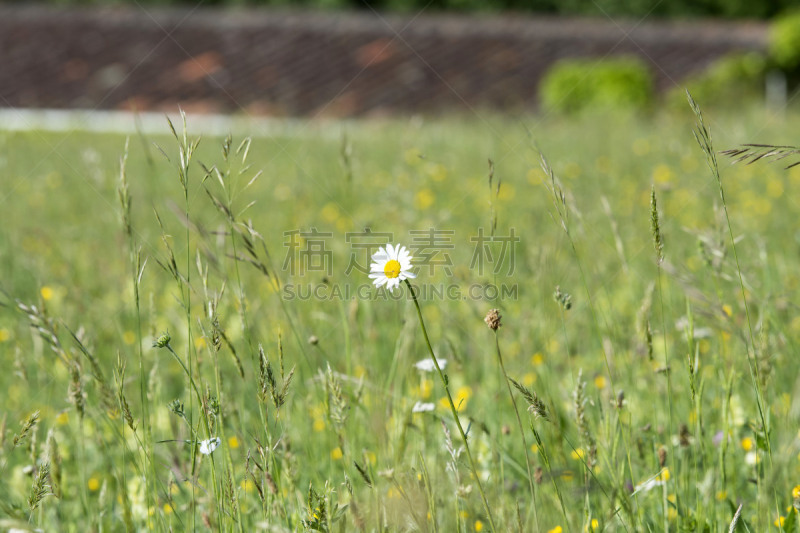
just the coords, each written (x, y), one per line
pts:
(684, 435)
(493, 319)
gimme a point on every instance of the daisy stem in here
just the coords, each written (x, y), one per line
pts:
(452, 409)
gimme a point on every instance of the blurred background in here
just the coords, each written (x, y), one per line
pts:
(343, 58)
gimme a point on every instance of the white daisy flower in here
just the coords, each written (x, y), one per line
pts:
(209, 445)
(390, 266)
(421, 407)
(426, 365)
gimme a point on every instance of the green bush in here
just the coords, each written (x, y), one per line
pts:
(784, 41)
(574, 85)
(727, 81)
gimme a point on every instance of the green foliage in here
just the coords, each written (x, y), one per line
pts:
(728, 81)
(784, 41)
(578, 84)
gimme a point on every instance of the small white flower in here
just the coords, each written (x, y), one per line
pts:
(426, 365)
(648, 485)
(682, 324)
(658, 480)
(751, 458)
(209, 445)
(420, 407)
(390, 266)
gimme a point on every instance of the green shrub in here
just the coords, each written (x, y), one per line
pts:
(727, 81)
(784, 41)
(574, 85)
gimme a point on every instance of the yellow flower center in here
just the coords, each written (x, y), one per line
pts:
(392, 268)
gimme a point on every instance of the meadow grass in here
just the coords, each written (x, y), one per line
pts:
(643, 377)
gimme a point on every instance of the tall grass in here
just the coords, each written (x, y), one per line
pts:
(161, 375)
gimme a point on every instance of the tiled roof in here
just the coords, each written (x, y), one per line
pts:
(313, 63)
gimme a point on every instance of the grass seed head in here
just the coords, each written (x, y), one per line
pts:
(28, 425)
(493, 319)
(655, 227)
(579, 399)
(564, 299)
(40, 488)
(685, 438)
(177, 408)
(76, 394)
(54, 459)
(535, 406)
(364, 474)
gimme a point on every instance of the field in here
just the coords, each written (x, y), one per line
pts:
(149, 309)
